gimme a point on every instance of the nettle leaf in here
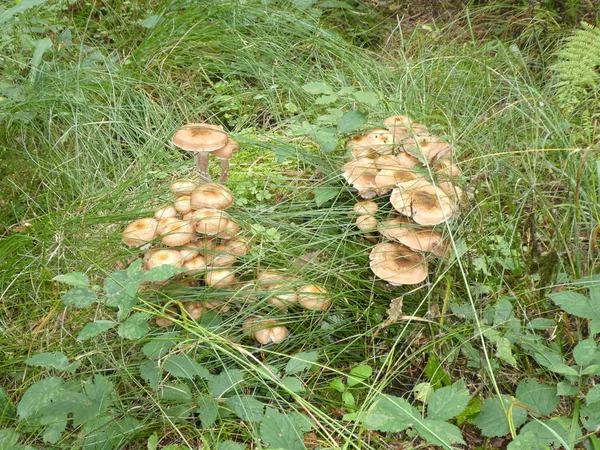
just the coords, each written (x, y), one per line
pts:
(151, 373)
(246, 407)
(93, 329)
(593, 395)
(208, 410)
(54, 360)
(281, 431)
(504, 351)
(359, 374)
(316, 88)
(301, 361)
(79, 297)
(448, 402)
(121, 287)
(577, 304)
(225, 381)
(160, 346)
(39, 395)
(324, 194)
(178, 392)
(135, 327)
(230, 445)
(538, 435)
(183, 366)
(351, 121)
(438, 432)
(539, 397)
(369, 97)
(293, 384)
(390, 413)
(76, 279)
(492, 420)
(585, 352)
(162, 273)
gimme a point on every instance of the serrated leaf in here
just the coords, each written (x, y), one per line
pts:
(553, 361)
(230, 445)
(151, 373)
(160, 346)
(359, 374)
(162, 273)
(438, 432)
(593, 395)
(422, 392)
(76, 279)
(246, 407)
(504, 351)
(538, 397)
(39, 395)
(351, 121)
(293, 384)
(538, 435)
(585, 352)
(301, 361)
(93, 329)
(135, 327)
(590, 416)
(492, 420)
(54, 360)
(575, 303)
(55, 429)
(79, 297)
(121, 288)
(207, 410)
(324, 194)
(369, 97)
(316, 88)
(448, 402)
(594, 325)
(566, 388)
(177, 392)
(390, 413)
(277, 430)
(435, 371)
(326, 99)
(183, 366)
(328, 140)
(225, 381)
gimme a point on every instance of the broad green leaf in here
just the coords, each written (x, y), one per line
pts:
(348, 400)
(351, 121)
(316, 88)
(79, 297)
(473, 408)
(541, 324)
(326, 99)
(593, 395)
(538, 397)
(160, 346)
(566, 388)
(54, 360)
(135, 327)
(225, 381)
(178, 392)
(359, 374)
(324, 194)
(492, 420)
(183, 366)
(246, 407)
(93, 329)
(438, 432)
(585, 352)
(422, 392)
(390, 413)
(553, 433)
(38, 396)
(76, 279)
(550, 359)
(435, 371)
(502, 311)
(590, 416)
(151, 373)
(9, 438)
(328, 140)
(293, 384)
(337, 385)
(7, 409)
(301, 361)
(575, 303)
(230, 445)
(504, 351)
(162, 273)
(280, 431)
(55, 429)
(369, 97)
(41, 47)
(448, 402)
(121, 287)
(207, 410)
(594, 326)
(21, 6)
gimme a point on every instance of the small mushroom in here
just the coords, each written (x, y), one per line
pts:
(366, 223)
(178, 232)
(313, 297)
(140, 232)
(211, 196)
(280, 286)
(220, 278)
(194, 309)
(361, 174)
(366, 208)
(425, 203)
(225, 154)
(397, 264)
(402, 230)
(265, 331)
(211, 222)
(182, 204)
(164, 222)
(202, 139)
(165, 212)
(162, 257)
(195, 265)
(183, 187)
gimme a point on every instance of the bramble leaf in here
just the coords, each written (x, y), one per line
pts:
(246, 407)
(369, 97)
(593, 395)
(226, 380)
(492, 420)
(317, 88)
(54, 360)
(448, 402)
(183, 366)
(162, 273)
(93, 329)
(438, 432)
(76, 279)
(79, 297)
(135, 327)
(390, 413)
(207, 410)
(577, 304)
(301, 361)
(293, 384)
(351, 121)
(539, 397)
(39, 395)
(359, 374)
(585, 352)
(281, 431)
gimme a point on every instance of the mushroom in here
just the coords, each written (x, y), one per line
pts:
(313, 297)
(366, 223)
(426, 145)
(419, 239)
(164, 222)
(225, 154)
(162, 257)
(220, 278)
(140, 232)
(195, 265)
(397, 264)
(264, 331)
(368, 207)
(361, 173)
(178, 232)
(165, 212)
(194, 309)
(221, 257)
(182, 187)
(202, 139)
(211, 222)
(182, 204)
(280, 285)
(211, 196)
(425, 203)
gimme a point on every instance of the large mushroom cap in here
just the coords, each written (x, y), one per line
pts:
(200, 137)
(177, 232)
(140, 232)
(368, 207)
(182, 187)
(425, 203)
(314, 297)
(227, 151)
(397, 264)
(419, 239)
(162, 257)
(211, 196)
(426, 145)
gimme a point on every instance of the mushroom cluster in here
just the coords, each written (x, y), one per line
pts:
(419, 171)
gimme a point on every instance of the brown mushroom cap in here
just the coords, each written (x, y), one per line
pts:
(211, 222)
(366, 223)
(220, 278)
(200, 137)
(366, 208)
(183, 187)
(211, 196)
(221, 257)
(196, 264)
(425, 203)
(264, 331)
(162, 223)
(426, 145)
(182, 204)
(140, 232)
(238, 246)
(177, 232)
(397, 264)
(162, 257)
(361, 173)
(419, 239)
(280, 285)
(194, 309)
(164, 212)
(313, 297)
(227, 151)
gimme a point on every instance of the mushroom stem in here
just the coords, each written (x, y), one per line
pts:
(224, 170)
(202, 165)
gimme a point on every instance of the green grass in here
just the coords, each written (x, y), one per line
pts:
(85, 148)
